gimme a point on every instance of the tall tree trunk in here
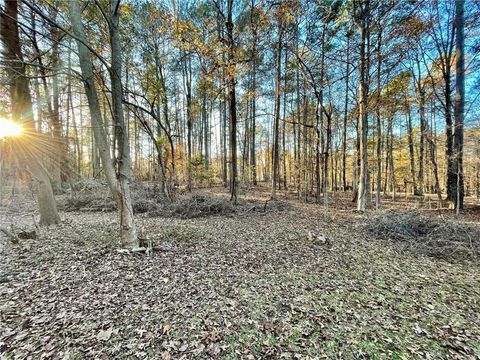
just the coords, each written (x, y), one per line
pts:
(433, 160)
(223, 138)
(304, 184)
(128, 233)
(363, 121)
(411, 149)
(451, 171)
(188, 95)
(206, 130)
(78, 147)
(387, 159)
(60, 166)
(423, 122)
(356, 160)
(276, 114)
(231, 79)
(117, 180)
(56, 150)
(29, 144)
(459, 100)
(393, 181)
(345, 119)
(168, 128)
(325, 165)
(253, 161)
(324, 147)
(378, 200)
(284, 124)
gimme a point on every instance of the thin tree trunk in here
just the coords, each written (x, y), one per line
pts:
(276, 114)
(423, 121)
(363, 122)
(393, 181)
(378, 200)
(253, 161)
(206, 130)
(231, 79)
(451, 171)
(345, 119)
(411, 149)
(459, 101)
(188, 95)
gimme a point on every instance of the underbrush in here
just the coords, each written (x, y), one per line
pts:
(203, 205)
(438, 237)
(92, 196)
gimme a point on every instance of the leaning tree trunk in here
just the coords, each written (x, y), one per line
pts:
(118, 182)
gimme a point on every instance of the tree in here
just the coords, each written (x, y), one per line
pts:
(31, 145)
(276, 114)
(442, 32)
(117, 173)
(459, 100)
(362, 18)
(232, 100)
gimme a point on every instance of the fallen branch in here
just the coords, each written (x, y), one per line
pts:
(133, 250)
(13, 237)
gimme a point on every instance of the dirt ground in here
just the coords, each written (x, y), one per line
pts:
(280, 284)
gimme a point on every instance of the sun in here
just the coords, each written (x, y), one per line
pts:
(9, 128)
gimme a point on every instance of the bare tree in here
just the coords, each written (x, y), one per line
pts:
(117, 174)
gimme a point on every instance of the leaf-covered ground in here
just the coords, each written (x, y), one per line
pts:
(245, 286)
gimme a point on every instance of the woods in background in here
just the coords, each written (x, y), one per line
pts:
(311, 97)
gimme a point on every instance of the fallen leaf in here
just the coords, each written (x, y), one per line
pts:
(105, 335)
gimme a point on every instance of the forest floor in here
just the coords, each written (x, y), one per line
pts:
(245, 285)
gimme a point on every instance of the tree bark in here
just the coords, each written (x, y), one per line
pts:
(231, 79)
(378, 199)
(345, 119)
(423, 123)
(117, 180)
(411, 149)
(253, 160)
(459, 100)
(276, 114)
(363, 121)
(30, 144)
(451, 173)
(188, 95)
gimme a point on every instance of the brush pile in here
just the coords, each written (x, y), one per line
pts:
(438, 237)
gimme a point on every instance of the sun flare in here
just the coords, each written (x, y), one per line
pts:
(9, 128)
